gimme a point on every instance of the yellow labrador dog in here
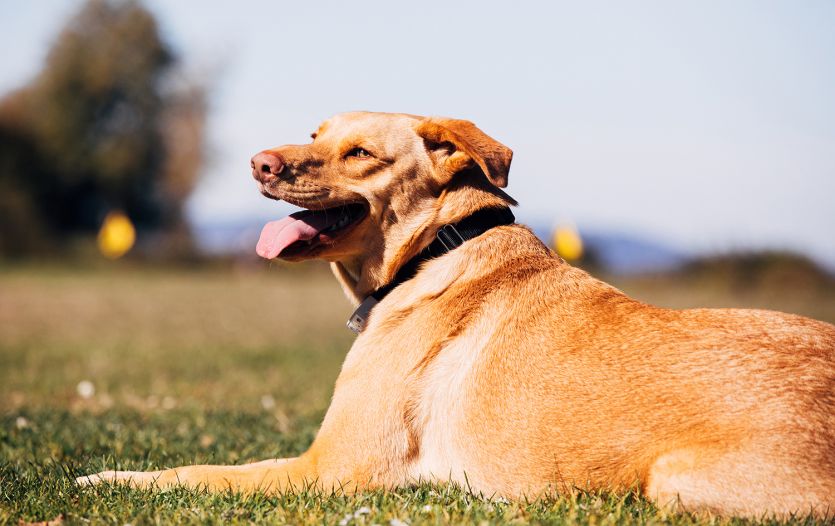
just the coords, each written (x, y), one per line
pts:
(482, 357)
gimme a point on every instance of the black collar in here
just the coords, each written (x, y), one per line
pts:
(448, 238)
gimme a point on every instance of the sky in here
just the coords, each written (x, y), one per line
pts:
(706, 125)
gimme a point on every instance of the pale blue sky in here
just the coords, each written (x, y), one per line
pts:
(707, 125)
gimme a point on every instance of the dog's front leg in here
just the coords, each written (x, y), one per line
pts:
(269, 476)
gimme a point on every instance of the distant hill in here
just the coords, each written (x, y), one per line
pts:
(763, 269)
(615, 252)
(230, 237)
(621, 253)
(612, 253)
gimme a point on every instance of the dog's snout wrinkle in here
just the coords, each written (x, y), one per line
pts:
(310, 163)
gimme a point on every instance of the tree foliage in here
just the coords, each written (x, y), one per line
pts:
(108, 124)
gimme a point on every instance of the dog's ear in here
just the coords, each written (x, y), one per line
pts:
(457, 144)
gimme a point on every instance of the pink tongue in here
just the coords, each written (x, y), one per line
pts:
(304, 225)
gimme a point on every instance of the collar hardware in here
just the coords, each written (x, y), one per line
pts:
(447, 238)
(359, 319)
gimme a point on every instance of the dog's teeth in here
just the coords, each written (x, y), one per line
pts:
(343, 221)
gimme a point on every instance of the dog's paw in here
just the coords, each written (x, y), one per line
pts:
(134, 478)
(98, 478)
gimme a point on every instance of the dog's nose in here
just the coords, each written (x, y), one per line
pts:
(266, 166)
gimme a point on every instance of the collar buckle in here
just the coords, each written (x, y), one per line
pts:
(359, 319)
(449, 237)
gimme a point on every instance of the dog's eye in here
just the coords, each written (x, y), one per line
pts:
(359, 153)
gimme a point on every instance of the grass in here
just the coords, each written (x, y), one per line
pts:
(228, 366)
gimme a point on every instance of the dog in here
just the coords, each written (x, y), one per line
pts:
(484, 359)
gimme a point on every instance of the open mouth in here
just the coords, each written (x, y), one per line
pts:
(301, 233)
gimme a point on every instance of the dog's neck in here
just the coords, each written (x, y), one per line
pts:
(361, 276)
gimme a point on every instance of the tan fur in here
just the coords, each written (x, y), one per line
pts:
(502, 367)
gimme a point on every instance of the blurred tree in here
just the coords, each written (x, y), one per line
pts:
(107, 125)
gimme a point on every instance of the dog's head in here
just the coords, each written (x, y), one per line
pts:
(375, 187)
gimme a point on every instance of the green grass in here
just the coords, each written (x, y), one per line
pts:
(226, 366)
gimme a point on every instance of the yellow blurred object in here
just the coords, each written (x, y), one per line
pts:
(567, 243)
(117, 235)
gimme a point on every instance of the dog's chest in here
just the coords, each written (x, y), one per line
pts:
(430, 376)
(441, 393)
(422, 386)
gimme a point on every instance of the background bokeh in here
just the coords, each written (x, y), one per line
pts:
(693, 127)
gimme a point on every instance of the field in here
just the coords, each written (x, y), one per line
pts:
(137, 368)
